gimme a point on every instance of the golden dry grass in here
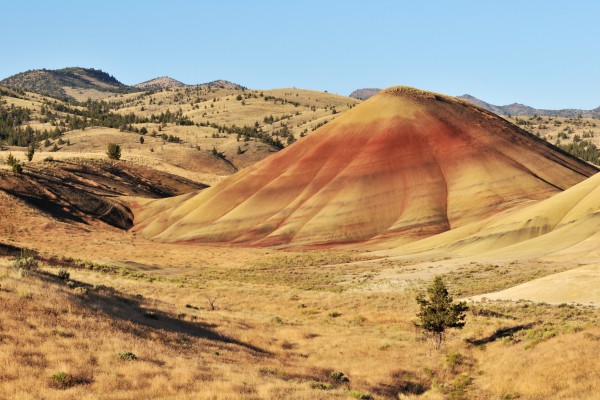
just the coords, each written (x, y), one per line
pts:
(300, 110)
(308, 313)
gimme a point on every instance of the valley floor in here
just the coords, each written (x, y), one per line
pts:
(208, 322)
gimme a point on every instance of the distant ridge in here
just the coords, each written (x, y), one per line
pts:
(164, 82)
(521, 109)
(511, 109)
(54, 83)
(363, 94)
(76, 83)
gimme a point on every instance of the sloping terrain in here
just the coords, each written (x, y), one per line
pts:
(578, 285)
(56, 83)
(566, 222)
(404, 165)
(83, 190)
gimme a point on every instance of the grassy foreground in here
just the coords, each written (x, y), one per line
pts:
(294, 326)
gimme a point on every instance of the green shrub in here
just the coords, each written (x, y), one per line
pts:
(62, 380)
(320, 385)
(17, 168)
(113, 151)
(25, 263)
(127, 356)
(150, 315)
(11, 160)
(63, 274)
(339, 376)
(30, 152)
(454, 360)
(360, 395)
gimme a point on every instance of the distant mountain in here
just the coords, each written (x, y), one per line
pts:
(82, 83)
(363, 94)
(60, 83)
(521, 109)
(160, 83)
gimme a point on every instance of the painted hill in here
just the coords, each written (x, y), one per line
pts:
(404, 165)
(66, 83)
(565, 223)
(159, 83)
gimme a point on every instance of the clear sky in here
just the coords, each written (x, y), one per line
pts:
(542, 53)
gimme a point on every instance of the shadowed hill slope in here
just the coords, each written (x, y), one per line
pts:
(405, 164)
(81, 190)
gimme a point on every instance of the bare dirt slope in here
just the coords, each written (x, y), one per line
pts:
(82, 190)
(403, 165)
(578, 285)
(566, 223)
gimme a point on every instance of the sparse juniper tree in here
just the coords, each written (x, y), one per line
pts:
(438, 312)
(30, 151)
(114, 151)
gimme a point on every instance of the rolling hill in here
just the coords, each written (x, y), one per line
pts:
(162, 82)
(406, 164)
(67, 83)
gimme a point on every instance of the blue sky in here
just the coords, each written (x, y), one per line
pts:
(542, 53)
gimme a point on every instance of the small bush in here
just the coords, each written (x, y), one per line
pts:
(454, 360)
(321, 385)
(150, 315)
(335, 314)
(113, 151)
(63, 274)
(339, 376)
(17, 168)
(62, 380)
(25, 263)
(360, 395)
(30, 152)
(11, 160)
(127, 356)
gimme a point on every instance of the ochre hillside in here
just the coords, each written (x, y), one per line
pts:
(565, 224)
(404, 165)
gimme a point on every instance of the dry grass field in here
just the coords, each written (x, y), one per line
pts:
(282, 324)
